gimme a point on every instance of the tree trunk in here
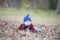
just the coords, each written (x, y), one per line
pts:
(53, 4)
(1, 2)
(12, 3)
(33, 4)
(58, 7)
(44, 4)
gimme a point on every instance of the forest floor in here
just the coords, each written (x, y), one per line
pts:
(46, 20)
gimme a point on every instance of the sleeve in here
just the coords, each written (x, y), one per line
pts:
(32, 28)
(20, 27)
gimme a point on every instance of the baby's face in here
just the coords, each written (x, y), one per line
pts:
(27, 23)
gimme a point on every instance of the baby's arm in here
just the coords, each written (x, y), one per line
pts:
(19, 28)
(34, 29)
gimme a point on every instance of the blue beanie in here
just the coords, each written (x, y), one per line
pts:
(27, 18)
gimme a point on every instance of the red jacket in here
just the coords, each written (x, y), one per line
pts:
(25, 27)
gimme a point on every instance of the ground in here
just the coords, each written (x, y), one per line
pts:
(46, 20)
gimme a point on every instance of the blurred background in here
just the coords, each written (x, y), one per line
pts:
(40, 10)
(45, 15)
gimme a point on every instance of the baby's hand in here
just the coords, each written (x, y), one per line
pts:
(19, 31)
(38, 31)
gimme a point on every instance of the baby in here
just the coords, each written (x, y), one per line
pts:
(27, 25)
